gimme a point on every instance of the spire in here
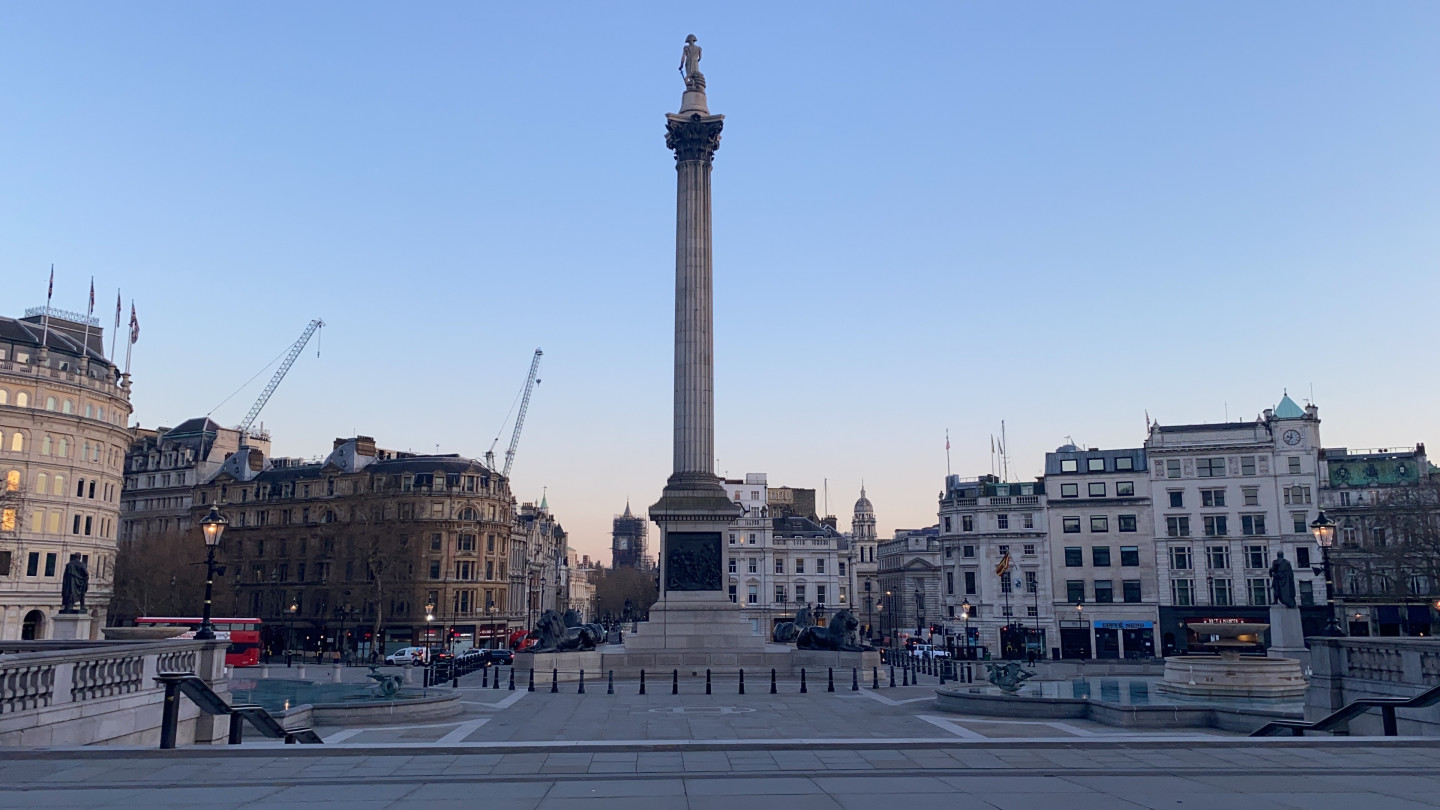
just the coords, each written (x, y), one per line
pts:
(627, 509)
(544, 504)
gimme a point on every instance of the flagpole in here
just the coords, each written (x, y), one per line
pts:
(89, 313)
(45, 339)
(1004, 457)
(130, 341)
(116, 335)
(947, 452)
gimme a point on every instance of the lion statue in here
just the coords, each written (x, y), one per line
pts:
(551, 635)
(839, 634)
(787, 632)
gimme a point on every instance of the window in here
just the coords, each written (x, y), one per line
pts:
(32, 564)
(1075, 591)
(1294, 465)
(434, 569)
(436, 541)
(1252, 525)
(780, 594)
(1302, 557)
(1029, 520)
(968, 552)
(1210, 467)
(1182, 592)
(732, 593)
(1069, 465)
(799, 565)
(1095, 465)
(950, 583)
(1032, 582)
(1247, 465)
(1002, 521)
(1069, 490)
(1212, 498)
(1070, 525)
(734, 569)
(1177, 499)
(970, 583)
(947, 524)
(467, 542)
(1127, 523)
(1307, 593)
(1221, 593)
(799, 592)
(1130, 590)
(1100, 556)
(1124, 489)
(1124, 463)
(1099, 523)
(779, 567)
(1172, 468)
(1004, 550)
(752, 595)
(754, 567)
(1177, 526)
(50, 564)
(1180, 558)
(1217, 557)
(1297, 495)
(1097, 489)
(1129, 555)
(1028, 549)
(967, 523)
(1074, 557)
(732, 538)
(1104, 590)
(1299, 525)
(1215, 526)
(1259, 588)
(820, 565)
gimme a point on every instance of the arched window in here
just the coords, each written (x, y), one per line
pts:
(42, 483)
(49, 403)
(468, 513)
(4, 397)
(67, 407)
(12, 480)
(89, 411)
(64, 448)
(80, 487)
(17, 443)
(102, 413)
(59, 487)
(45, 445)
(22, 399)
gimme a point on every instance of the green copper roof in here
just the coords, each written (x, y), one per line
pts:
(1287, 409)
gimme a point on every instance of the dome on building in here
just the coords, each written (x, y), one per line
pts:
(863, 506)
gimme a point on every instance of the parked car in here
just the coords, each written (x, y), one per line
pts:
(439, 655)
(474, 654)
(415, 656)
(927, 651)
(506, 657)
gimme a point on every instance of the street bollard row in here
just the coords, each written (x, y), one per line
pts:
(959, 674)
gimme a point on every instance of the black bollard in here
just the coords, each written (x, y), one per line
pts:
(495, 682)
(642, 681)
(512, 679)
(675, 682)
(484, 677)
(554, 680)
(854, 679)
(830, 679)
(707, 681)
(532, 680)
(610, 683)
(454, 680)
(875, 677)
(582, 683)
(772, 681)
(742, 682)
(892, 676)
(905, 673)
(803, 690)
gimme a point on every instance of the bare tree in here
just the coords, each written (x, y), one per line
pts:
(159, 575)
(385, 557)
(1395, 551)
(614, 586)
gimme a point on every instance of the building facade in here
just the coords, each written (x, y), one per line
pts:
(995, 566)
(627, 541)
(909, 596)
(1227, 499)
(864, 570)
(162, 468)
(1102, 553)
(537, 563)
(63, 414)
(368, 549)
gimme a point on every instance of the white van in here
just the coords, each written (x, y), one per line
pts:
(414, 656)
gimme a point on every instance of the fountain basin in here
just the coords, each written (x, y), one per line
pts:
(343, 704)
(1233, 676)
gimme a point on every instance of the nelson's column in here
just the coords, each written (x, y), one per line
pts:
(693, 611)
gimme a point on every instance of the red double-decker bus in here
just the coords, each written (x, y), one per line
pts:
(243, 635)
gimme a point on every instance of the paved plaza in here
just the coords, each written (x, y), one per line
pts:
(817, 750)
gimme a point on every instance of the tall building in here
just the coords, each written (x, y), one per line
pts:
(864, 570)
(994, 541)
(1102, 553)
(792, 502)
(627, 541)
(365, 538)
(1227, 498)
(1387, 545)
(537, 563)
(63, 414)
(162, 467)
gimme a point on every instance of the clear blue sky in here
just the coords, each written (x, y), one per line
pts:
(1056, 214)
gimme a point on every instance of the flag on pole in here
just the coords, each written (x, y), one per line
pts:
(89, 313)
(118, 310)
(1003, 566)
(91, 310)
(134, 324)
(50, 293)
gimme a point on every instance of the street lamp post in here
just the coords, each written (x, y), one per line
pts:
(890, 625)
(213, 526)
(289, 629)
(1324, 530)
(965, 612)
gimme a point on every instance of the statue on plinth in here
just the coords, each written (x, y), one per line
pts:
(73, 585)
(787, 632)
(840, 635)
(1282, 581)
(1008, 676)
(552, 635)
(690, 65)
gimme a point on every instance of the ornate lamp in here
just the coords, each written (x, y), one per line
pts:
(212, 526)
(1324, 530)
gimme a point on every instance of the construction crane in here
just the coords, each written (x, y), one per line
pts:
(530, 382)
(279, 375)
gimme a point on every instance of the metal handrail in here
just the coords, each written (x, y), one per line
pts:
(1387, 707)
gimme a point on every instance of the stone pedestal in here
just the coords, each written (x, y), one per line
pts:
(71, 627)
(1287, 636)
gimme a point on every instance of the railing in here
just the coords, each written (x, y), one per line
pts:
(1336, 721)
(45, 674)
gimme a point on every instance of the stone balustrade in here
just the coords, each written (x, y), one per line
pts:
(1345, 669)
(84, 693)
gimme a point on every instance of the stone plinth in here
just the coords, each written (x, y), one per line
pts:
(1233, 676)
(1287, 637)
(569, 665)
(71, 626)
(699, 621)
